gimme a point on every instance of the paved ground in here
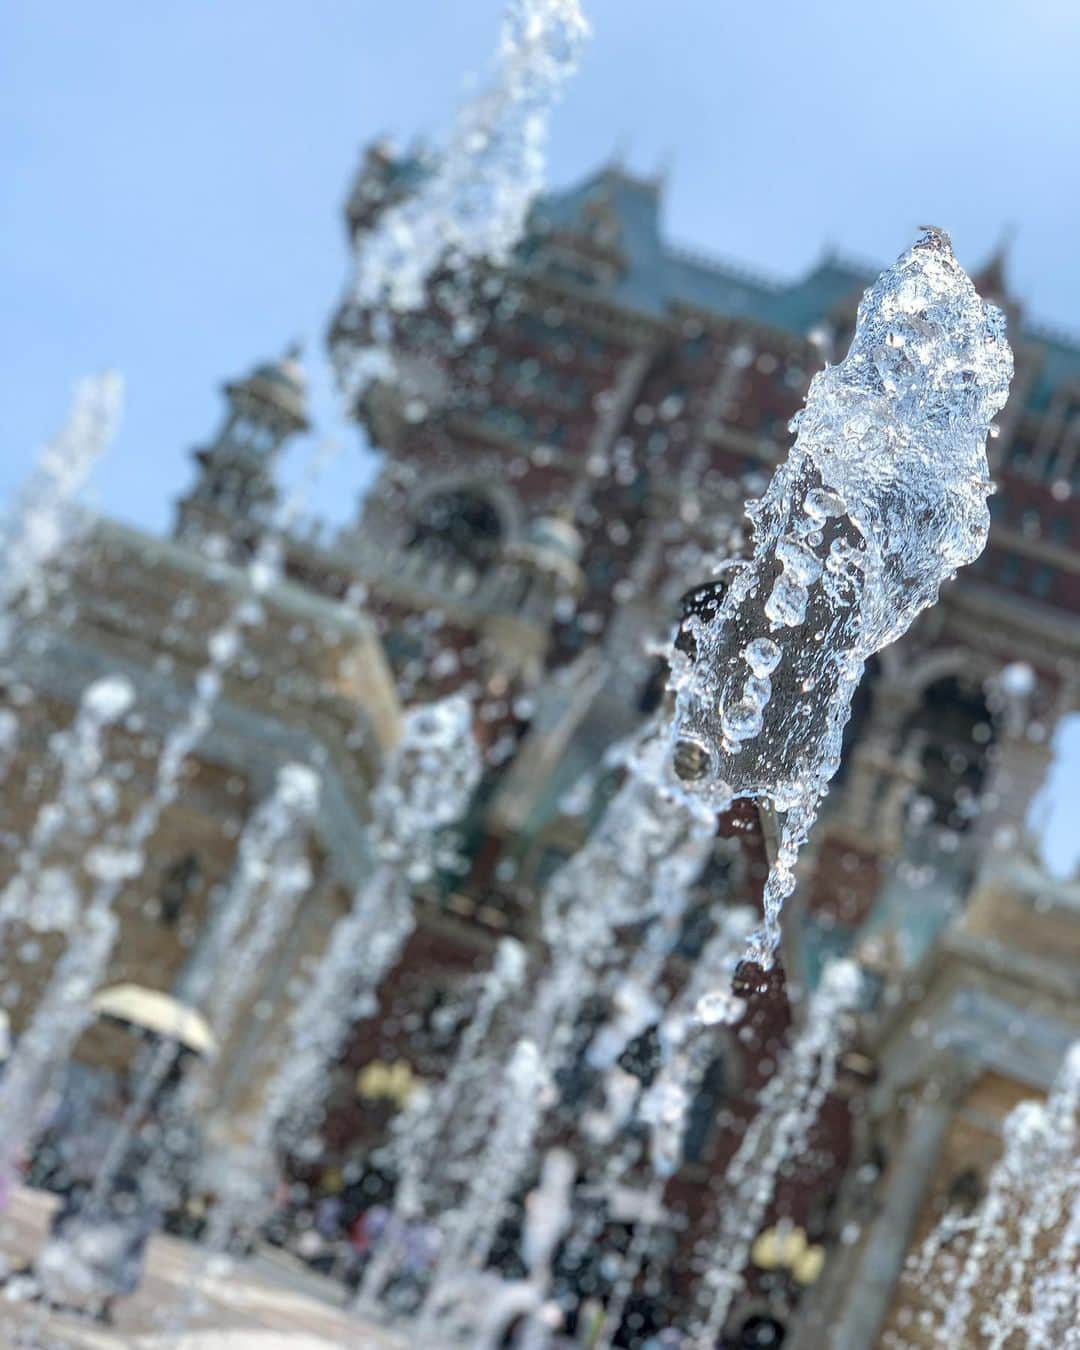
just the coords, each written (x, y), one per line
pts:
(259, 1305)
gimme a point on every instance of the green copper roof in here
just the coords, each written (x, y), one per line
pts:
(656, 276)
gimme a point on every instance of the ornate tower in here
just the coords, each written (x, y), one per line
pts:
(234, 492)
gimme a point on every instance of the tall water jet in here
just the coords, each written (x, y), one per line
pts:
(471, 204)
(468, 1231)
(687, 1036)
(787, 1109)
(431, 1126)
(271, 876)
(39, 528)
(425, 786)
(479, 1308)
(882, 497)
(687, 1025)
(1055, 1294)
(1024, 1217)
(63, 1011)
(637, 866)
(638, 863)
(47, 898)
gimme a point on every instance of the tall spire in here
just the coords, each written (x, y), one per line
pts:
(235, 489)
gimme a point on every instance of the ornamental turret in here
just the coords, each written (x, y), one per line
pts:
(235, 491)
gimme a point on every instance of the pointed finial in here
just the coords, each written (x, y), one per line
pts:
(990, 278)
(620, 151)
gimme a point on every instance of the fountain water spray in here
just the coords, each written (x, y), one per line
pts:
(39, 529)
(688, 1036)
(1054, 1322)
(47, 898)
(788, 1106)
(468, 1231)
(425, 786)
(686, 1029)
(271, 876)
(64, 1010)
(421, 1135)
(472, 203)
(1025, 1211)
(478, 1308)
(882, 497)
(637, 865)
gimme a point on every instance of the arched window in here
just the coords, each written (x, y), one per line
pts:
(761, 1332)
(957, 728)
(461, 525)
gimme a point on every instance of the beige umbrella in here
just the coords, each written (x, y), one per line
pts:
(156, 1012)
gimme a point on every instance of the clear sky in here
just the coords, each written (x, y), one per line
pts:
(172, 171)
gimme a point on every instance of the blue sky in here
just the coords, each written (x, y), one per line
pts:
(172, 172)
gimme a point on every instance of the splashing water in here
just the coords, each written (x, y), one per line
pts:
(469, 1231)
(686, 1031)
(639, 862)
(489, 1305)
(64, 1011)
(274, 876)
(687, 1035)
(39, 529)
(882, 497)
(1054, 1323)
(419, 1148)
(787, 1109)
(425, 786)
(1025, 1215)
(637, 866)
(472, 204)
(271, 876)
(43, 897)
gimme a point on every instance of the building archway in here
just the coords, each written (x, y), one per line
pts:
(460, 525)
(953, 729)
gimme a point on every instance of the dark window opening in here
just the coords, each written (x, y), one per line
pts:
(462, 526)
(180, 882)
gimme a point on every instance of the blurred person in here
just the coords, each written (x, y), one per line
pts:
(121, 1164)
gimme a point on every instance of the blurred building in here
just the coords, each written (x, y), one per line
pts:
(310, 686)
(567, 463)
(566, 454)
